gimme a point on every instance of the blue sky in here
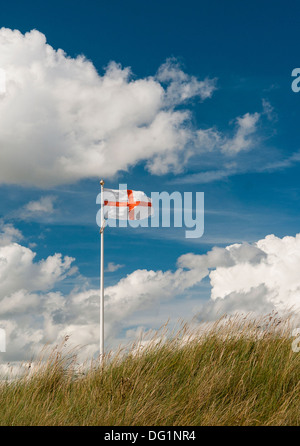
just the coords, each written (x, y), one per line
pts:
(249, 48)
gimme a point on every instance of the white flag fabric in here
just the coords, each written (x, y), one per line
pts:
(126, 204)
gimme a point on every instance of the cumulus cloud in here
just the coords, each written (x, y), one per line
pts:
(18, 270)
(223, 257)
(25, 296)
(253, 278)
(257, 278)
(9, 234)
(277, 272)
(144, 289)
(33, 314)
(252, 302)
(73, 123)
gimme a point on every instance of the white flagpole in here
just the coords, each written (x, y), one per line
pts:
(102, 275)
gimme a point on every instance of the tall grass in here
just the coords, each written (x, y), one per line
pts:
(235, 373)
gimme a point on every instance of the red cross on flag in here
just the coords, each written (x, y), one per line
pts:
(126, 204)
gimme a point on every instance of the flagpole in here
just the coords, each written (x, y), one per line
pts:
(102, 275)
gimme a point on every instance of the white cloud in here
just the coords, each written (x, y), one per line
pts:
(223, 257)
(225, 149)
(18, 302)
(9, 234)
(43, 205)
(20, 275)
(258, 278)
(74, 123)
(181, 86)
(112, 267)
(277, 272)
(19, 271)
(34, 315)
(144, 289)
(244, 138)
(39, 210)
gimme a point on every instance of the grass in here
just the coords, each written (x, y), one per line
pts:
(238, 373)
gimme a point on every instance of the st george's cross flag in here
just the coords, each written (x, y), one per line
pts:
(126, 204)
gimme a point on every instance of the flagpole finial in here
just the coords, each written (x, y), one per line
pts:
(102, 182)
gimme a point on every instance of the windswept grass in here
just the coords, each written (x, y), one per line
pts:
(232, 374)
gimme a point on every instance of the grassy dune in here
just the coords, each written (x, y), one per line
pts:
(232, 374)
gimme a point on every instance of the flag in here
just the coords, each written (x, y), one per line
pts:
(126, 204)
